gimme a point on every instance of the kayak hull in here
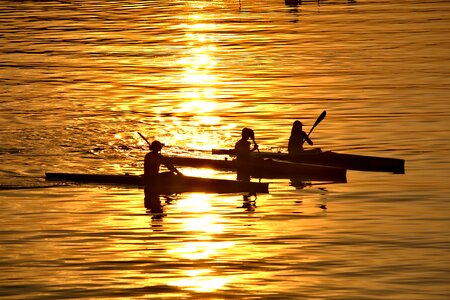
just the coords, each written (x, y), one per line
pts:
(334, 159)
(266, 168)
(166, 183)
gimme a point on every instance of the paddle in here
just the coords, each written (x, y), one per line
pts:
(143, 137)
(319, 119)
(168, 165)
(253, 139)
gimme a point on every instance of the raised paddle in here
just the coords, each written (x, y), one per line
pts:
(143, 137)
(319, 119)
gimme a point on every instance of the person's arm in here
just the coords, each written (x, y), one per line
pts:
(170, 166)
(308, 140)
(255, 146)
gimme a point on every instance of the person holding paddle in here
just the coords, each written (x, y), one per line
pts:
(242, 147)
(153, 160)
(242, 150)
(299, 137)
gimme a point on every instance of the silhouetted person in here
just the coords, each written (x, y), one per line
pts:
(242, 147)
(297, 139)
(152, 178)
(154, 159)
(242, 150)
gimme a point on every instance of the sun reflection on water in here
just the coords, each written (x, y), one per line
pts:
(203, 226)
(198, 105)
(201, 281)
(195, 120)
(199, 250)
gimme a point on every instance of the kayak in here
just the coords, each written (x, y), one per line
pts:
(334, 159)
(266, 168)
(167, 183)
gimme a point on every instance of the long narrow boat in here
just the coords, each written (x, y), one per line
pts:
(334, 159)
(167, 184)
(266, 168)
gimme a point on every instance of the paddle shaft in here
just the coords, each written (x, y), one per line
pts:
(319, 119)
(143, 137)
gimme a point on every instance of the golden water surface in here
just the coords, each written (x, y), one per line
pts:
(80, 79)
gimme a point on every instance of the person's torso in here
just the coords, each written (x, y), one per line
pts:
(242, 149)
(296, 143)
(152, 162)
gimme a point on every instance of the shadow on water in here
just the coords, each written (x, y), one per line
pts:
(157, 207)
(296, 3)
(319, 2)
(292, 3)
(249, 202)
(300, 184)
(7, 187)
(155, 203)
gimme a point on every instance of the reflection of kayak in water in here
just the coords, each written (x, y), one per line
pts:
(166, 183)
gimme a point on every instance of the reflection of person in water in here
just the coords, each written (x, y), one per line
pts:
(152, 202)
(293, 2)
(153, 160)
(249, 203)
(299, 184)
(350, 2)
(155, 208)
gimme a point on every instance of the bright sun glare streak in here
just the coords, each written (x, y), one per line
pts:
(199, 105)
(200, 281)
(198, 88)
(197, 67)
(196, 121)
(200, 250)
(195, 203)
(202, 224)
(208, 120)
(208, 173)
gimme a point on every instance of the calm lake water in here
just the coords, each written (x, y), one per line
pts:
(79, 79)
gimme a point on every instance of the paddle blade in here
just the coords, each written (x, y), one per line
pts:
(319, 119)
